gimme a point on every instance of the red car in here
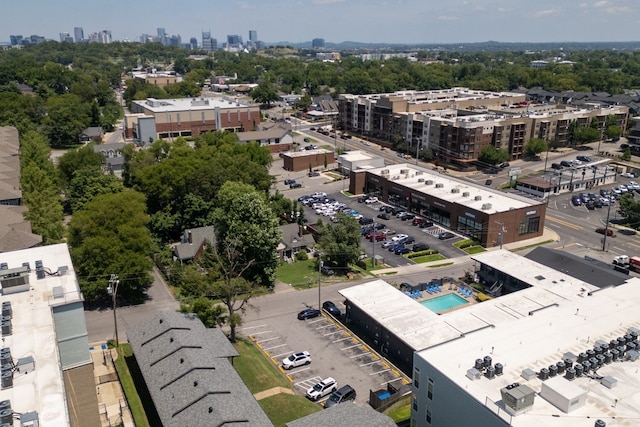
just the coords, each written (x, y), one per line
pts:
(608, 231)
(379, 237)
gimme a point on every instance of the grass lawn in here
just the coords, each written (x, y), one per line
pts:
(401, 410)
(346, 193)
(130, 392)
(428, 258)
(474, 249)
(298, 273)
(283, 408)
(257, 372)
(370, 267)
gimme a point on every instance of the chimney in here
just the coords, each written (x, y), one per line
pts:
(189, 238)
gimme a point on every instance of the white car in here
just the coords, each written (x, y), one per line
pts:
(616, 190)
(623, 188)
(319, 194)
(627, 175)
(633, 185)
(371, 200)
(321, 389)
(296, 359)
(605, 201)
(399, 237)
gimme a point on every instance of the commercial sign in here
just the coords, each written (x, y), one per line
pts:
(533, 212)
(439, 204)
(470, 215)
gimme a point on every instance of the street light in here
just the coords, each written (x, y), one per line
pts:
(320, 264)
(112, 289)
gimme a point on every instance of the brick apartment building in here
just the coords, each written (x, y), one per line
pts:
(457, 123)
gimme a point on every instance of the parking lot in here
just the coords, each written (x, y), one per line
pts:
(334, 350)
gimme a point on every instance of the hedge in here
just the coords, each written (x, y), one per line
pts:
(421, 253)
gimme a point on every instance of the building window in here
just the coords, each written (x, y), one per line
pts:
(203, 121)
(529, 225)
(178, 115)
(428, 415)
(430, 389)
(415, 403)
(416, 378)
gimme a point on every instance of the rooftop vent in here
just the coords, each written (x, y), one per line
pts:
(439, 185)
(404, 171)
(429, 182)
(465, 194)
(477, 198)
(420, 179)
(517, 399)
(485, 206)
(455, 190)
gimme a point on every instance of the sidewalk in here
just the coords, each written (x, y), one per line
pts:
(112, 405)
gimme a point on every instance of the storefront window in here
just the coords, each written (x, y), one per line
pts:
(529, 225)
(470, 227)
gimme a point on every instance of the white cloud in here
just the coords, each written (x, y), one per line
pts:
(447, 18)
(601, 3)
(327, 1)
(617, 9)
(546, 12)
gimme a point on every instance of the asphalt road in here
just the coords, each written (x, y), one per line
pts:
(100, 323)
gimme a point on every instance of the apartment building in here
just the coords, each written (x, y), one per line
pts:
(457, 123)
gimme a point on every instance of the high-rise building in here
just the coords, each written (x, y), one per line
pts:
(193, 43)
(15, 40)
(162, 35)
(208, 43)
(234, 40)
(253, 36)
(317, 43)
(78, 34)
(66, 37)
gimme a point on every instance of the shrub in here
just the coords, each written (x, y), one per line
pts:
(302, 255)
(421, 253)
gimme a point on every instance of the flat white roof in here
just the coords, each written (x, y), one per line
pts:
(542, 339)
(451, 189)
(355, 156)
(34, 333)
(191, 104)
(304, 153)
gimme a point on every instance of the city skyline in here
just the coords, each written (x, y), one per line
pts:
(367, 21)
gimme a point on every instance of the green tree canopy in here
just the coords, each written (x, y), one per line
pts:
(110, 236)
(630, 210)
(535, 146)
(264, 93)
(244, 220)
(74, 160)
(340, 242)
(492, 156)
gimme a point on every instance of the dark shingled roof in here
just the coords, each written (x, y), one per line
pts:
(594, 272)
(189, 377)
(345, 414)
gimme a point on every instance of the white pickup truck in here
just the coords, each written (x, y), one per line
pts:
(621, 260)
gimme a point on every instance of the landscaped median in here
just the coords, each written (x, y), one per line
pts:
(470, 246)
(425, 256)
(271, 389)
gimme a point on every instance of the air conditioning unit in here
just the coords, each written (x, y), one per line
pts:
(384, 172)
(455, 190)
(465, 194)
(486, 206)
(429, 182)
(404, 171)
(420, 179)
(439, 185)
(477, 198)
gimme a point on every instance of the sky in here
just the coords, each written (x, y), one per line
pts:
(368, 21)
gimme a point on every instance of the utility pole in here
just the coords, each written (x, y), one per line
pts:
(112, 289)
(503, 230)
(319, 276)
(606, 228)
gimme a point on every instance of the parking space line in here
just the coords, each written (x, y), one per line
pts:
(341, 339)
(370, 363)
(268, 339)
(347, 348)
(253, 327)
(390, 381)
(331, 333)
(298, 371)
(260, 333)
(379, 372)
(275, 346)
(322, 327)
(316, 321)
(358, 355)
(282, 354)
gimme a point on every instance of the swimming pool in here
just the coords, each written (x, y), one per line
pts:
(444, 302)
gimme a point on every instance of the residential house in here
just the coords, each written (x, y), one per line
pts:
(194, 242)
(345, 414)
(94, 133)
(276, 136)
(114, 160)
(294, 239)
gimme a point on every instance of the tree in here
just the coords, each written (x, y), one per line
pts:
(303, 103)
(264, 93)
(243, 219)
(630, 209)
(613, 131)
(110, 236)
(82, 158)
(535, 146)
(340, 242)
(626, 154)
(491, 155)
(210, 313)
(89, 182)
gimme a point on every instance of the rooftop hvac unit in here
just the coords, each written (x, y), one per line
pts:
(429, 182)
(6, 381)
(5, 356)
(420, 179)
(479, 365)
(477, 198)
(600, 423)
(543, 374)
(561, 367)
(570, 374)
(499, 368)
(455, 190)
(579, 369)
(384, 172)
(4, 266)
(404, 171)
(465, 194)
(615, 354)
(6, 309)
(473, 374)
(26, 264)
(6, 327)
(487, 361)
(608, 357)
(553, 370)
(587, 366)
(29, 419)
(6, 416)
(517, 399)
(419, 172)
(439, 185)
(632, 355)
(490, 372)
(609, 382)
(486, 206)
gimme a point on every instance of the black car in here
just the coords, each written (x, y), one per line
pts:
(446, 235)
(384, 216)
(417, 247)
(308, 313)
(504, 165)
(331, 308)
(378, 226)
(584, 159)
(407, 240)
(426, 224)
(598, 204)
(576, 200)
(345, 394)
(328, 271)
(365, 221)
(590, 205)
(407, 216)
(488, 182)
(556, 166)
(295, 185)
(396, 210)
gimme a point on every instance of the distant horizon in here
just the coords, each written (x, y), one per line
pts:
(396, 22)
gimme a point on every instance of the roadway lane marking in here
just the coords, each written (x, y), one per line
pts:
(565, 223)
(633, 244)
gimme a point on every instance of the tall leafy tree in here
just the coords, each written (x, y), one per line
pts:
(492, 155)
(110, 236)
(535, 146)
(340, 242)
(244, 220)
